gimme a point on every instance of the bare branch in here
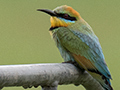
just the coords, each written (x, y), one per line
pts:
(45, 75)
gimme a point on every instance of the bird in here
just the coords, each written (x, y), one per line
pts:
(78, 43)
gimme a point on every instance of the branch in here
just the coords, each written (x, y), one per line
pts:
(46, 75)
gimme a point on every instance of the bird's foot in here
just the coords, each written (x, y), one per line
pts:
(72, 62)
(75, 64)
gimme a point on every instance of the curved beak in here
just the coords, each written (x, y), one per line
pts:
(50, 12)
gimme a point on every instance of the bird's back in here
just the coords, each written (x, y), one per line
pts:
(79, 43)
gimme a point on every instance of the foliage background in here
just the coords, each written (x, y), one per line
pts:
(24, 36)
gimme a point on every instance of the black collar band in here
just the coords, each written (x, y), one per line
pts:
(52, 28)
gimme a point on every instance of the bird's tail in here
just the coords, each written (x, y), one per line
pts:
(105, 82)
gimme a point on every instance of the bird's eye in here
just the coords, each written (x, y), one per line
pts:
(65, 16)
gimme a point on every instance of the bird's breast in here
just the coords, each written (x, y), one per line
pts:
(63, 51)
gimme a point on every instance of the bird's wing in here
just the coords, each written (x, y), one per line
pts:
(86, 51)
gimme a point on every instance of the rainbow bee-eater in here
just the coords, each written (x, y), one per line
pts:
(78, 43)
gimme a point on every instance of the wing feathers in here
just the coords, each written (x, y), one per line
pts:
(85, 47)
(87, 64)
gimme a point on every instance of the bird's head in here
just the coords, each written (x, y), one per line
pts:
(62, 16)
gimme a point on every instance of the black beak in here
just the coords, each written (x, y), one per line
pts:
(50, 12)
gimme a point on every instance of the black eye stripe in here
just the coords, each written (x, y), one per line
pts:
(66, 16)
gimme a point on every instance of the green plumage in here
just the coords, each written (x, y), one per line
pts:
(77, 42)
(81, 41)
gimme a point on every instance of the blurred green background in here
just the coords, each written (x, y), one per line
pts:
(24, 36)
